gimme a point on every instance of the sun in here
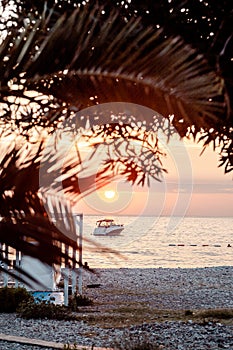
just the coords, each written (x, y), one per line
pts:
(109, 194)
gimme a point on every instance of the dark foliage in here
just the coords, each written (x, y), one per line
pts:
(11, 298)
(77, 300)
(32, 310)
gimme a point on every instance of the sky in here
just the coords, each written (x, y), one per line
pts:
(193, 186)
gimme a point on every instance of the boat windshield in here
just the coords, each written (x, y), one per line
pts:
(105, 223)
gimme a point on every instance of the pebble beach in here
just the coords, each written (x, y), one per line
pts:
(161, 289)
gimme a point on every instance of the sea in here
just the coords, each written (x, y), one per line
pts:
(167, 242)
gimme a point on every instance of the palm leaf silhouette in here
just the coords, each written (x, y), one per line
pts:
(166, 74)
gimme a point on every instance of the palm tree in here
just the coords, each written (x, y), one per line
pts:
(64, 68)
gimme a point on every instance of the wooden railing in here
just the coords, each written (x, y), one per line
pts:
(12, 258)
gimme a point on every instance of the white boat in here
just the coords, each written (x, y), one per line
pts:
(107, 227)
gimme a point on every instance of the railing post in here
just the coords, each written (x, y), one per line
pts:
(17, 265)
(66, 278)
(5, 276)
(80, 245)
(73, 273)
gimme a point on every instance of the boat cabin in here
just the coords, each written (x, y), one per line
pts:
(105, 223)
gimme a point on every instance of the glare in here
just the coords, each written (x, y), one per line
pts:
(109, 194)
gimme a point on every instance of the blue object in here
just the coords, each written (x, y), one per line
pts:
(55, 297)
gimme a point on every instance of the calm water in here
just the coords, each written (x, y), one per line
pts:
(162, 242)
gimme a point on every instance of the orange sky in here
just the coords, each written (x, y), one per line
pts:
(194, 186)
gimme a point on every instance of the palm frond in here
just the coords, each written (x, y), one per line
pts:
(89, 58)
(161, 73)
(121, 63)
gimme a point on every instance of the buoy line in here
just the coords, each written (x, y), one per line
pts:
(197, 245)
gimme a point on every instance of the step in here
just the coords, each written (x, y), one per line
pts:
(44, 343)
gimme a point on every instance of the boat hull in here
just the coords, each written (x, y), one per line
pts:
(108, 231)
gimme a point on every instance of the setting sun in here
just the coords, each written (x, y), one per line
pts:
(109, 194)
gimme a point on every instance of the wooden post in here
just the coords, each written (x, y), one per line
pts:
(5, 276)
(66, 278)
(73, 273)
(80, 244)
(17, 265)
(78, 227)
(66, 286)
